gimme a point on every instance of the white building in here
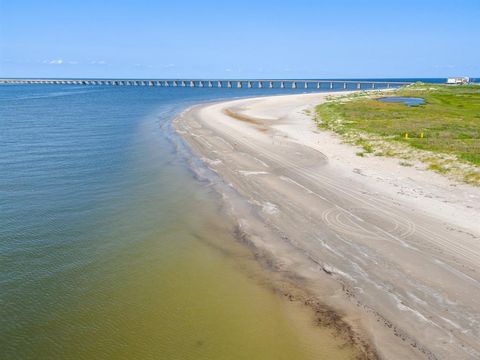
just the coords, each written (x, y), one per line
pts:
(458, 80)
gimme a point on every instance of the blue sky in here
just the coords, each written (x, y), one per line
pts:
(240, 39)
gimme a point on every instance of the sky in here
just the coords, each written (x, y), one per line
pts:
(239, 39)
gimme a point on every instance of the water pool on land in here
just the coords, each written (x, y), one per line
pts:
(409, 101)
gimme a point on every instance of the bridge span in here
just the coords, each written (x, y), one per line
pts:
(217, 83)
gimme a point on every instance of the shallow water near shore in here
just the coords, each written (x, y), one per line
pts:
(111, 248)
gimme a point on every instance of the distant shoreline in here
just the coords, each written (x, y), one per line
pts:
(298, 196)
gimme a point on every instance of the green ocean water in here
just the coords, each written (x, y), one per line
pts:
(112, 249)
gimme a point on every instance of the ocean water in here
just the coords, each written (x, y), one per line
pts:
(111, 248)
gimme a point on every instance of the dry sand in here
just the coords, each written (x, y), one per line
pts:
(395, 250)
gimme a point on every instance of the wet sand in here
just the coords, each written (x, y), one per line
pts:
(388, 255)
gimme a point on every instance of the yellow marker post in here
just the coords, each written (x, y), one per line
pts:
(406, 135)
(421, 135)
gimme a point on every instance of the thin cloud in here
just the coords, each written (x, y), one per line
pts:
(60, 62)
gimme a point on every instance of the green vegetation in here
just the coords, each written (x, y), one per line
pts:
(444, 132)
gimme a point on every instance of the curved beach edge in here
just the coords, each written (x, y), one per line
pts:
(274, 170)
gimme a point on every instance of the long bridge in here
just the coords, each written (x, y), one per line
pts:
(218, 83)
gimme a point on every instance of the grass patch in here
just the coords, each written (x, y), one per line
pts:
(447, 124)
(438, 168)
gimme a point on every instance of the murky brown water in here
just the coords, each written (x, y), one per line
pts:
(111, 249)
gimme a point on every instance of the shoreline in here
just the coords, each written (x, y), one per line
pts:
(329, 224)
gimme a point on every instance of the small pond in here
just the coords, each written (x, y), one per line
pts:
(409, 101)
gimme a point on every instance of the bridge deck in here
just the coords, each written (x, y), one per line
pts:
(217, 83)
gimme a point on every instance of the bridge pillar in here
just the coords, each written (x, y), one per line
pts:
(318, 85)
(239, 84)
(359, 86)
(249, 84)
(305, 85)
(219, 84)
(192, 83)
(183, 83)
(282, 84)
(388, 86)
(260, 85)
(229, 84)
(373, 85)
(345, 86)
(201, 84)
(150, 82)
(210, 84)
(331, 85)
(175, 83)
(270, 84)
(166, 83)
(294, 84)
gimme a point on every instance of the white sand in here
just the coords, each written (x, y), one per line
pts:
(394, 249)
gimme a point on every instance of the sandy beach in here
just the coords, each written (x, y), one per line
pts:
(393, 250)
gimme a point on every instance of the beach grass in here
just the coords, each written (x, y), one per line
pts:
(444, 132)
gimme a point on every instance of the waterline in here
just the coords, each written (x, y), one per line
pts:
(112, 249)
